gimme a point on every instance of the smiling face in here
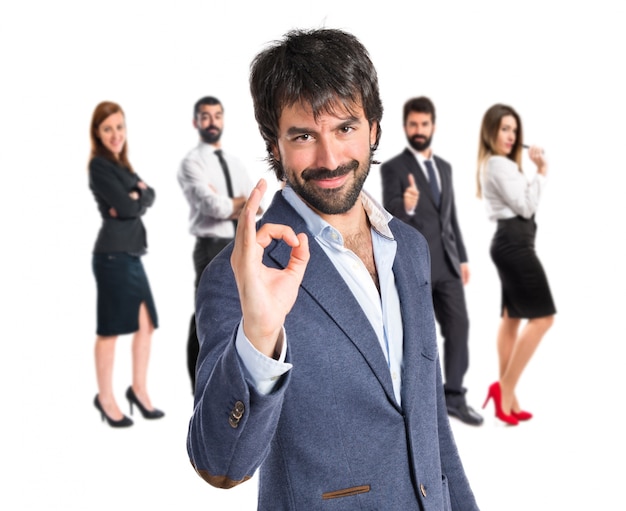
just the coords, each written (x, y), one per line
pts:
(112, 133)
(325, 160)
(507, 134)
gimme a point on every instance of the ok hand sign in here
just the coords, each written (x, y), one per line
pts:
(266, 294)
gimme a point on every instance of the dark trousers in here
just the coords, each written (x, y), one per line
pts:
(451, 315)
(203, 253)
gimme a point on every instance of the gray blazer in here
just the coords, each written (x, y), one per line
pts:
(331, 435)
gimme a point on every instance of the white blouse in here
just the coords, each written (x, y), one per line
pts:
(507, 192)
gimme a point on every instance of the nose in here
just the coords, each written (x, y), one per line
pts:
(327, 154)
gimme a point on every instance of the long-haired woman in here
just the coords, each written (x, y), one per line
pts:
(124, 304)
(511, 199)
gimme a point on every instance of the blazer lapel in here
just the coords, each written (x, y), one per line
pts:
(446, 184)
(417, 322)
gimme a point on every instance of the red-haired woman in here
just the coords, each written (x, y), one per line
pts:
(125, 304)
(511, 199)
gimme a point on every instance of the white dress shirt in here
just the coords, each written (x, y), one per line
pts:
(507, 192)
(201, 177)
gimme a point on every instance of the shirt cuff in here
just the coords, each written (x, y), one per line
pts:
(263, 372)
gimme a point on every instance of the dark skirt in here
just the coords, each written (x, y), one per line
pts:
(525, 289)
(122, 286)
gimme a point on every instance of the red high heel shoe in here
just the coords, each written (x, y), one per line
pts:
(496, 394)
(522, 415)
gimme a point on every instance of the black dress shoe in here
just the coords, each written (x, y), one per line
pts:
(464, 413)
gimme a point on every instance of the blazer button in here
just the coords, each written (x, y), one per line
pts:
(238, 409)
(235, 414)
(423, 490)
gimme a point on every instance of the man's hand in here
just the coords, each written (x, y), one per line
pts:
(465, 273)
(411, 195)
(266, 294)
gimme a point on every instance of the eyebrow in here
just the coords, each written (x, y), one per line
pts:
(348, 121)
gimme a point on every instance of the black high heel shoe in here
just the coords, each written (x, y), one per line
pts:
(124, 422)
(147, 414)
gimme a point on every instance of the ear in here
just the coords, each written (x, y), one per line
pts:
(373, 133)
(275, 152)
(195, 124)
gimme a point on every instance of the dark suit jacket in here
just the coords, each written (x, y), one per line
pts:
(111, 185)
(331, 435)
(440, 226)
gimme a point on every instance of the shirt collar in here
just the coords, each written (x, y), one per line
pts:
(421, 159)
(204, 146)
(378, 216)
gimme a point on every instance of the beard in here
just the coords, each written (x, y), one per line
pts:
(330, 201)
(211, 134)
(419, 142)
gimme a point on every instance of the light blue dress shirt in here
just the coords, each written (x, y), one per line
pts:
(382, 310)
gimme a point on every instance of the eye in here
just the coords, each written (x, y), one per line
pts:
(304, 137)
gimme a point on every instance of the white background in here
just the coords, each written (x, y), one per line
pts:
(559, 64)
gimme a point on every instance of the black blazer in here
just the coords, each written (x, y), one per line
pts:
(440, 226)
(111, 185)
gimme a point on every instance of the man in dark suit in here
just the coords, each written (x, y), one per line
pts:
(417, 188)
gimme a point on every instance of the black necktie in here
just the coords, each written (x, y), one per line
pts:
(229, 185)
(224, 165)
(432, 180)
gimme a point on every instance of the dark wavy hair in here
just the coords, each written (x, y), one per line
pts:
(100, 113)
(420, 104)
(206, 100)
(326, 69)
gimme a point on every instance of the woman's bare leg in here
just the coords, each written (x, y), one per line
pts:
(521, 353)
(142, 341)
(105, 357)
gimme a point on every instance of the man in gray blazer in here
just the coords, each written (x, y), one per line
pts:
(318, 357)
(417, 188)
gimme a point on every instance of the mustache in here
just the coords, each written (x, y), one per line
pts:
(211, 127)
(324, 173)
(419, 137)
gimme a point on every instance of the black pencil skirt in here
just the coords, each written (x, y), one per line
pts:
(122, 286)
(525, 289)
